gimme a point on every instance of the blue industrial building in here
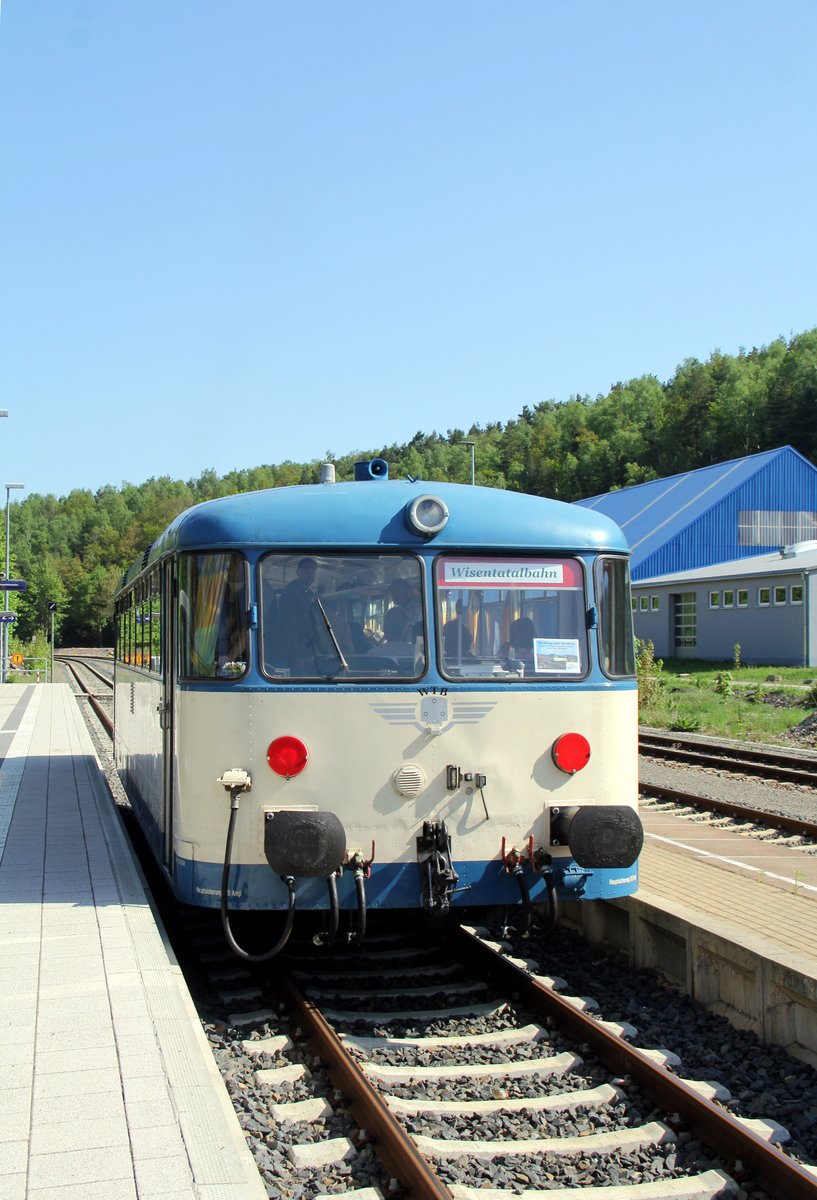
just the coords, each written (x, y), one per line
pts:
(732, 510)
(725, 556)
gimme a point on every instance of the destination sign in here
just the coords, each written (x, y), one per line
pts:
(13, 585)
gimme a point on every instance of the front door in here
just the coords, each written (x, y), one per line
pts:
(685, 625)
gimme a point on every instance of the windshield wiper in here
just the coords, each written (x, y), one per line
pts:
(344, 666)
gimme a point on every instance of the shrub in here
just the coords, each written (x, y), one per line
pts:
(647, 670)
(723, 684)
(680, 724)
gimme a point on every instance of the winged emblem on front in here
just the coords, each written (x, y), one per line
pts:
(434, 713)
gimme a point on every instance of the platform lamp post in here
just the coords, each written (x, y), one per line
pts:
(9, 487)
(52, 608)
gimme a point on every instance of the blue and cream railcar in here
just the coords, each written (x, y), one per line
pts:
(382, 694)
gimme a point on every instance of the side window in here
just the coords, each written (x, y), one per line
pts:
(154, 617)
(142, 654)
(212, 616)
(126, 629)
(615, 626)
(122, 628)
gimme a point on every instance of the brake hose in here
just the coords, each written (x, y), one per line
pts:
(225, 919)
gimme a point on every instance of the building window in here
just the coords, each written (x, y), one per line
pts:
(796, 593)
(714, 599)
(728, 599)
(764, 597)
(633, 604)
(643, 603)
(653, 604)
(780, 595)
(743, 598)
(768, 527)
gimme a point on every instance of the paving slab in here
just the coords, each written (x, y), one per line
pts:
(109, 1087)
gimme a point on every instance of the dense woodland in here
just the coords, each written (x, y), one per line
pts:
(72, 550)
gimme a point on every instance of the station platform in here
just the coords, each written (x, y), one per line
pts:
(761, 888)
(108, 1087)
(729, 919)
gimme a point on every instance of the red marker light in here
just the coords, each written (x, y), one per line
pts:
(287, 756)
(571, 752)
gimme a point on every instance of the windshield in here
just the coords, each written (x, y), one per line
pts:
(511, 618)
(342, 616)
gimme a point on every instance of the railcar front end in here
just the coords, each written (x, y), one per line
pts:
(382, 695)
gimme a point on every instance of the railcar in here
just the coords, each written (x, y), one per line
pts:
(381, 694)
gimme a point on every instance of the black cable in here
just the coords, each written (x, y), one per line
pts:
(525, 896)
(328, 936)
(225, 919)
(553, 901)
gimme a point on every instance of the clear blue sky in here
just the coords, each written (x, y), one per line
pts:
(232, 234)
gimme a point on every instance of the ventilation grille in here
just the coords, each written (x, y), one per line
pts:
(409, 780)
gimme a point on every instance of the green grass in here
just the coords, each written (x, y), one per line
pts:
(724, 701)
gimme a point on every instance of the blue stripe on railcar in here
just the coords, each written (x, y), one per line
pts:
(394, 885)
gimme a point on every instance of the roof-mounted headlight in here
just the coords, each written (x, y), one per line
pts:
(427, 515)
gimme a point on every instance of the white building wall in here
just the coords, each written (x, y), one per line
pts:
(773, 626)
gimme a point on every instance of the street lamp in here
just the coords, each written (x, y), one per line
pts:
(52, 608)
(5, 639)
(471, 444)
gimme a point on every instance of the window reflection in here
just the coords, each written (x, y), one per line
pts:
(342, 616)
(508, 619)
(212, 616)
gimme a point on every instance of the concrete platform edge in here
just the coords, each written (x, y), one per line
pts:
(220, 1159)
(720, 965)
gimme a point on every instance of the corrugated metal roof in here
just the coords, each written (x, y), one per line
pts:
(691, 520)
(773, 563)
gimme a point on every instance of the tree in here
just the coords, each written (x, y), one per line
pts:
(45, 585)
(91, 606)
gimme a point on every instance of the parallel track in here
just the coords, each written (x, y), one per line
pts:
(790, 825)
(768, 762)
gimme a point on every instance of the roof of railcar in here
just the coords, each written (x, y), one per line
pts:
(373, 513)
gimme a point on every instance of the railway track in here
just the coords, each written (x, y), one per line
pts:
(688, 803)
(471, 1077)
(79, 668)
(766, 762)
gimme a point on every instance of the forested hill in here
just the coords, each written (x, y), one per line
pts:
(73, 550)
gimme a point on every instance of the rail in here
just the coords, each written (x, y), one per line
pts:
(765, 762)
(70, 662)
